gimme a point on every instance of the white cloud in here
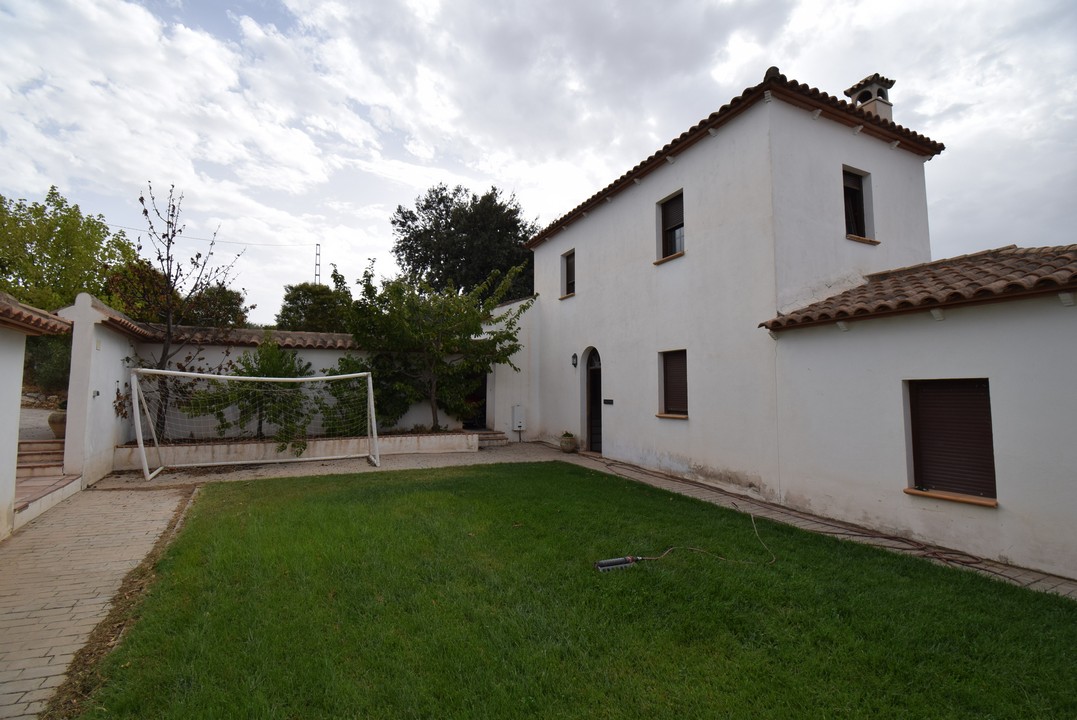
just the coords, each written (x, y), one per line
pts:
(308, 121)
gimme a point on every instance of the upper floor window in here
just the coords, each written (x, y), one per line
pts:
(858, 213)
(671, 241)
(568, 274)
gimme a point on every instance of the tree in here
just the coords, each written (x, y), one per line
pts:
(138, 289)
(283, 405)
(314, 307)
(173, 291)
(217, 306)
(437, 341)
(454, 238)
(50, 252)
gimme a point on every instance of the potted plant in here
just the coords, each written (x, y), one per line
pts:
(568, 442)
(58, 421)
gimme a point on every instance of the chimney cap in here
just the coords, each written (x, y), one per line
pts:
(866, 83)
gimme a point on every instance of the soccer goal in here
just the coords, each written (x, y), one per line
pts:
(186, 419)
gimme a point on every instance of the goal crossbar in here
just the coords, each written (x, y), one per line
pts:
(143, 415)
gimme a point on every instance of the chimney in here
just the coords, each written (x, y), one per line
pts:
(870, 95)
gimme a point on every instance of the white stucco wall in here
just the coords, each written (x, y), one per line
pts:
(706, 302)
(12, 348)
(506, 388)
(843, 447)
(98, 371)
(813, 257)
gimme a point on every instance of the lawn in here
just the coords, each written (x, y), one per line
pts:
(471, 593)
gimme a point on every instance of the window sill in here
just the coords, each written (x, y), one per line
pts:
(865, 240)
(667, 258)
(566, 297)
(953, 497)
(671, 416)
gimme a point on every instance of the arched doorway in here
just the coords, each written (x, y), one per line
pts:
(593, 394)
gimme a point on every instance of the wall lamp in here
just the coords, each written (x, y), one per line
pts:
(575, 360)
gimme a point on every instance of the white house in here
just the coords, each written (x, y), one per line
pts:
(647, 341)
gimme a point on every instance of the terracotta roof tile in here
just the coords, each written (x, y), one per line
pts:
(987, 276)
(30, 320)
(118, 321)
(244, 337)
(778, 86)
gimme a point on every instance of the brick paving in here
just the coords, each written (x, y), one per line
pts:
(57, 579)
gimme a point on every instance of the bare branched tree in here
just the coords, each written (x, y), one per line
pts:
(171, 289)
(178, 287)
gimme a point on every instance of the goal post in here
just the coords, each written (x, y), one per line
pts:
(189, 419)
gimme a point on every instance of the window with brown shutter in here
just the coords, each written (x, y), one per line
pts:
(675, 383)
(672, 226)
(952, 442)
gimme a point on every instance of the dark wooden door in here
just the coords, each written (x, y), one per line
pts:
(594, 402)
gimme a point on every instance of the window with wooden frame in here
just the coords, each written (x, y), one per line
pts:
(671, 224)
(568, 274)
(674, 399)
(859, 220)
(952, 443)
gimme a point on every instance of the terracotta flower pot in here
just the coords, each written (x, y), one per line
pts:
(568, 444)
(58, 423)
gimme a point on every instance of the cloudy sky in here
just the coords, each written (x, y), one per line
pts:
(289, 123)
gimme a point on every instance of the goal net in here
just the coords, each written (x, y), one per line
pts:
(185, 419)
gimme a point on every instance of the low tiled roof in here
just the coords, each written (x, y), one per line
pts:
(989, 276)
(30, 320)
(244, 337)
(117, 320)
(774, 85)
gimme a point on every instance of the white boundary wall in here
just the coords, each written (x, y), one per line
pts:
(12, 349)
(98, 371)
(102, 356)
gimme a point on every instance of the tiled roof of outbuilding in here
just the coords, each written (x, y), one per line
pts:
(989, 276)
(774, 85)
(30, 320)
(243, 337)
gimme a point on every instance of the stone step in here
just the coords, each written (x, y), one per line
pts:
(30, 490)
(40, 445)
(32, 457)
(492, 438)
(38, 470)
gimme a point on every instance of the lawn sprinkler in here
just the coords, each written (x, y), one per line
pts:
(621, 563)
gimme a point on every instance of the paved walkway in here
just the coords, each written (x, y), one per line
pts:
(57, 578)
(59, 573)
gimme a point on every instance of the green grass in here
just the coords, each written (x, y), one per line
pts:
(470, 593)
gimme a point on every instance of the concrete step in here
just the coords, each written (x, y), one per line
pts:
(40, 445)
(492, 438)
(29, 457)
(39, 469)
(40, 493)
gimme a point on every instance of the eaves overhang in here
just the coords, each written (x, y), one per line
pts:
(774, 86)
(30, 320)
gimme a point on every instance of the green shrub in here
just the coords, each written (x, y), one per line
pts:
(48, 362)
